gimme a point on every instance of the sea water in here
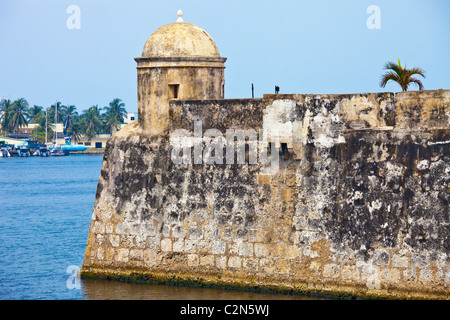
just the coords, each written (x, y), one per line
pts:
(45, 210)
(46, 206)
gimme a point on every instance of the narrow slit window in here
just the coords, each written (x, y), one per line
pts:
(174, 91)
(284, 151)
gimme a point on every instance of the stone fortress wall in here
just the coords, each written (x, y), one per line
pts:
(358, 206)
(357, 203)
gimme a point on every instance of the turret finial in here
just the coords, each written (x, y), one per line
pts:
(180, 14)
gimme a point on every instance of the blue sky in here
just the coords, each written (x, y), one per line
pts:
(321, 46)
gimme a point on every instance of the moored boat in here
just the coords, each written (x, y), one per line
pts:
(23, 151)
(57, 150)
(42, 151)
(4, 152)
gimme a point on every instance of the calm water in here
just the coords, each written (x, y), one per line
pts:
(45, 210)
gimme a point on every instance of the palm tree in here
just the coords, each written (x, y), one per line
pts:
(75, 131)
(39, 131)
(403, 76)
(19, 113)
(114, 114)
(59, 109)
(34, 112)
(6, 115)
(91, 123)
(68, 113)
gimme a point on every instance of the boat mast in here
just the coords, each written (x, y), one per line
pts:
(56, 120)
(46, 126)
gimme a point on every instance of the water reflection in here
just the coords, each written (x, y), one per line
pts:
(94, 289)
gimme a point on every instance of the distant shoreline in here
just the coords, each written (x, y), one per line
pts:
(90, 151)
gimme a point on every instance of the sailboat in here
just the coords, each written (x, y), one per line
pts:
(57, 150)
(66, 148)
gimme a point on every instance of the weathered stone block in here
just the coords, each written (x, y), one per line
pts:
(109, 227)
(390, 276)
(246, 249)
(234, 262)
(207, 260)
(178, 245)
(123, 254)
(350, 273)
(100, 239)
(382, 257)
(278, 250)
(409, 275)
(426, 276)
(195, 233)
(418, 261)
(101, 253)
(261, 250)
(292, 252)
(136, 254)
(166, 245)
(400, 261)
(218, 247)
(190, 245)
(331, 270)
(178, 232)
(110, 253)
(114, 240)
(153, 242)
(221, 262)
(193, 260)
(250, 263)
(122, 228)
(98, 227)
(150, 257)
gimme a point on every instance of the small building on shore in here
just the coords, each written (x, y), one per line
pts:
(97, 142)
(13, 141)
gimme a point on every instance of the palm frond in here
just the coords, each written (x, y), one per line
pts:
(416, 71)
(388, 77)
(416, 81)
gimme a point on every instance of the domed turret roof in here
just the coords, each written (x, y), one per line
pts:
(180, 39)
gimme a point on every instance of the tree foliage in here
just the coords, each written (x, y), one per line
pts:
(20, 115)
(91, 122)
(403, 76)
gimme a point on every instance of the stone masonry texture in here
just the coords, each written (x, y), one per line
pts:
(358, 206)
